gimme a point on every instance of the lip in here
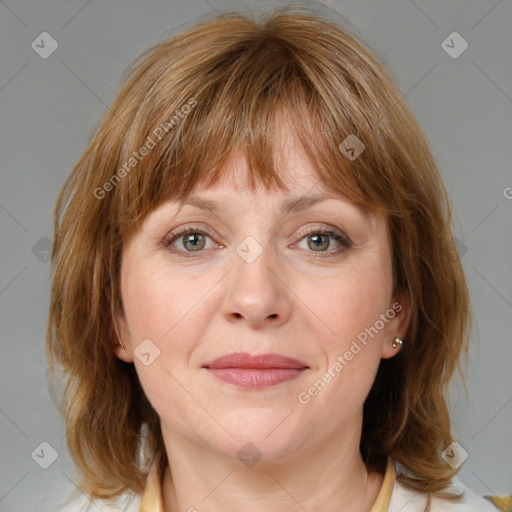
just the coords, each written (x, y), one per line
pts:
(258, 371)
(259, 361)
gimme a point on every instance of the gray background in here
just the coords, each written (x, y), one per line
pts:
(50, 108)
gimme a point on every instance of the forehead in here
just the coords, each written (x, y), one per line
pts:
(305, 188)
(232, 197)
(291, 163)
(297, 173)
(304, 185)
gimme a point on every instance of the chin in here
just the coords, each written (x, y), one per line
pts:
(271, 431)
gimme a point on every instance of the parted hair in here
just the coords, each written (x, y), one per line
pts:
(185, 104)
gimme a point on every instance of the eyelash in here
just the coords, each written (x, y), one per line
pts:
(336, 235)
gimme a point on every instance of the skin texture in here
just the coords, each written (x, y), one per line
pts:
(287, 301)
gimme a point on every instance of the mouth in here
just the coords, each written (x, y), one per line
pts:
(259, 371)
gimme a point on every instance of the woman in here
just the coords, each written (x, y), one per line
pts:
(256, 301)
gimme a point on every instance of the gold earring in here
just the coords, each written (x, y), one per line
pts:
(397, 342)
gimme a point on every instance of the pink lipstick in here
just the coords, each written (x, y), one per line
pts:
(259, 371)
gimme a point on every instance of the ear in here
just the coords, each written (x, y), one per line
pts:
(398, 325)
(121, 333)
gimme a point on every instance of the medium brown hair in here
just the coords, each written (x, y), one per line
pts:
(191, 100)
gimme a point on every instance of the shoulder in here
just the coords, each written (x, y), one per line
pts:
(79, 502)
(407, 500)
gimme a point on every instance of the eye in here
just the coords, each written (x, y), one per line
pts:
(321, 239)
(191, 239)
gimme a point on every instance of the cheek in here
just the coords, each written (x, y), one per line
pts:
(354, 305)
(354, 301)
(166, 311)
(169, 308)
(156, 303)
(147, 307)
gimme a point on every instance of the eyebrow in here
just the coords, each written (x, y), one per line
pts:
(296, 203)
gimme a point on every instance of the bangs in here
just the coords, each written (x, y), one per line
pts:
(203, 106)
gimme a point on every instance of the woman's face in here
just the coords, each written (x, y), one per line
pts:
(253, 277)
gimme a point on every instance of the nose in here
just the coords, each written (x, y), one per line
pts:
(256, 292)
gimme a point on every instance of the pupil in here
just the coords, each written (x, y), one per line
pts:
(318, 241)
(194, 240)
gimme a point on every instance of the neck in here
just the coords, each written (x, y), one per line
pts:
(198, 478)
